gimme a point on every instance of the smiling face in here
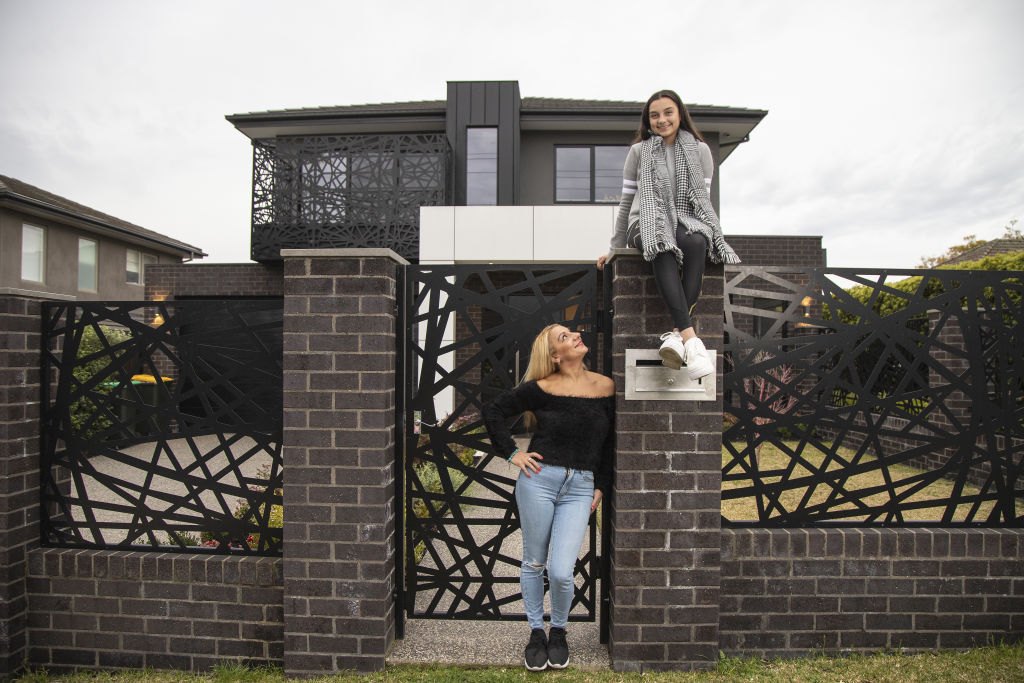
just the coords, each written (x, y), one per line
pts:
(565, 344)
(664, 119)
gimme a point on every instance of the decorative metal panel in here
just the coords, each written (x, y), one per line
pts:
(469, 330)
(874, 397)
(161, 426)
(337, 191)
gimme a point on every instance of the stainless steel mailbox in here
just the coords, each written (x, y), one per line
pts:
(648, 380)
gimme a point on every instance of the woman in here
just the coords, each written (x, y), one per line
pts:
(666, 212)
(563, 475)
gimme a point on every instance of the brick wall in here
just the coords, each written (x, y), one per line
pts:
(339, 459)
(667, 499)
(19, 468)
(168, 281)
(778, 250)
(110, 609)
(790, 592)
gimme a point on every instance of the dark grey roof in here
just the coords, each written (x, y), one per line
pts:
(529, 104)
(17, 192)
(990, 248)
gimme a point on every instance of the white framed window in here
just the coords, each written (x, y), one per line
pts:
(88, 252)
(135, 264)
(33, 253)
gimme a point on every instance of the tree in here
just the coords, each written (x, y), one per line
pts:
(970, 242)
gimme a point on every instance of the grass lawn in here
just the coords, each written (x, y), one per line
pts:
(774, 458)
(996, 664)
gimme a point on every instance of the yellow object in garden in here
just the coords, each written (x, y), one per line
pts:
(150, 379)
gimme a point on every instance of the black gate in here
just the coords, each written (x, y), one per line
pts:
(467, 335)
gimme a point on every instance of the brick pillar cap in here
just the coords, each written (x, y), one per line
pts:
(619, 253)
(344, 253)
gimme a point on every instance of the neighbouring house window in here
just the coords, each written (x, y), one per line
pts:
(33, 253)
(481, 166)
(589, 173)
(134, 266)
(87, 253)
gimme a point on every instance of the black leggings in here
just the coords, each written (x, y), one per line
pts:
(681, 295)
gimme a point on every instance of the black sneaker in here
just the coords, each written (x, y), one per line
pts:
(558, 649)
(536, 651)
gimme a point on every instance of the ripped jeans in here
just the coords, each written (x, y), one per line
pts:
(554, 507)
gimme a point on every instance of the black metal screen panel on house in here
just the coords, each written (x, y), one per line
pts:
(161, 426)
(469, 329)
(341, 191)
(873, 397)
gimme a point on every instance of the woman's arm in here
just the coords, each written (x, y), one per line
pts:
(708, 163)
(604, 475)
(626, 202)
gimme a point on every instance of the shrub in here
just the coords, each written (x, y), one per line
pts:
(86, 418)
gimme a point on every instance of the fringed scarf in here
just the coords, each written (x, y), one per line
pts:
(658, 215)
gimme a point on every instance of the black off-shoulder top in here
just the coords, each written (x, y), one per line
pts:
(572, 431)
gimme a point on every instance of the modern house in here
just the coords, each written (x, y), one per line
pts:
(52, 247)
(483, 175)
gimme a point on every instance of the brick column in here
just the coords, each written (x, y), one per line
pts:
(666, 516)
(339, 459)
(19, 469)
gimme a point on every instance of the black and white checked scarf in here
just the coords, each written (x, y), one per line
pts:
(658, 215)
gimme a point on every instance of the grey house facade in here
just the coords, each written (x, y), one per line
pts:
(357, 176)
(52, 247)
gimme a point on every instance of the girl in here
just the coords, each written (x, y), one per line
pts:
(666, 212)
(563, 475)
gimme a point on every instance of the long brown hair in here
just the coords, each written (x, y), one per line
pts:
(540, 367)
(685, 122)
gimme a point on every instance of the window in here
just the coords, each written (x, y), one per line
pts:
(481, 166)
(134, 264)
(591, 173)
(87, 252)
(33, 253)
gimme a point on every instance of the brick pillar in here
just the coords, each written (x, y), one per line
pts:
(19, 469)
(339, 459)
(666, 516)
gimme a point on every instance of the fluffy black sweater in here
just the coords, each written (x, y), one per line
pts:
(572, 431)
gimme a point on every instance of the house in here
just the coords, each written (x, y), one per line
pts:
(52, 247)
(484, 175)
(1003, 245)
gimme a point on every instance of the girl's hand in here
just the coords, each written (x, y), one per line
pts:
(601, 260)
(527, 461)
(598, 495)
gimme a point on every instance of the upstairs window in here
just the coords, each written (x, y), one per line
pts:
(134, 264)
(481, 166)
(87, 253)
(589, 173)
(33, 253)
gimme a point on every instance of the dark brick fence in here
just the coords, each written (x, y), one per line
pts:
(682, 588)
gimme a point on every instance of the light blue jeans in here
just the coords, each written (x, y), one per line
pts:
(554, 507)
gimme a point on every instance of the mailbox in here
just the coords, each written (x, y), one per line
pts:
(648, 380)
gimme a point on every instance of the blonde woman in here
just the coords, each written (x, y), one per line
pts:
(563, 475)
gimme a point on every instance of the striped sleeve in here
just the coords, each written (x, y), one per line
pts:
(629, 188)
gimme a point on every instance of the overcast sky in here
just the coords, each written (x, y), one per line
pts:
(895, 127)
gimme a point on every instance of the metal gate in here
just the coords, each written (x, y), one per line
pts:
(467, 335)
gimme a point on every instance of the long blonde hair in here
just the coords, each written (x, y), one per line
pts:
(540, 367)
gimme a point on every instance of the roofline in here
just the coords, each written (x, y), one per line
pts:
(15, 200)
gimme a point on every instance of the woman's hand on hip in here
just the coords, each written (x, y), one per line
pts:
(598, 495)
(527, 461)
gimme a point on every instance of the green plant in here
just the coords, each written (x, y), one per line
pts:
(92, 358)
(243, 511)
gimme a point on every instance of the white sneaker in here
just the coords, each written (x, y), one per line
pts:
(698, 362)
(672, 351)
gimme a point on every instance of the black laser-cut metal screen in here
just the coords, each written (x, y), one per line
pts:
(469, 329)
(908, 409)
(161, 425)
(337, 191)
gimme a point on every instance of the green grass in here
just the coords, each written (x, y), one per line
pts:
(995, 664)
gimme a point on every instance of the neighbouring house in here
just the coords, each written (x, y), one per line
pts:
(483, 175)
(1002, 245)
(52, 247)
